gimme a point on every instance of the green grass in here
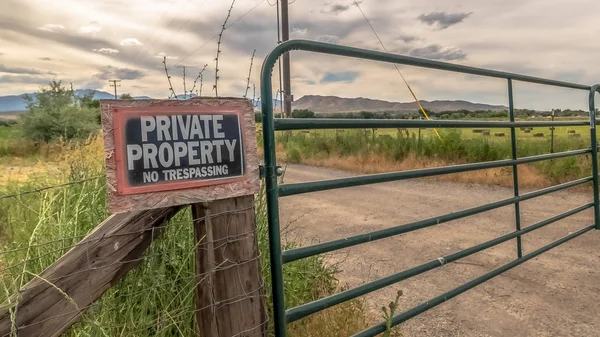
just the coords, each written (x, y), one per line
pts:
(455, 147)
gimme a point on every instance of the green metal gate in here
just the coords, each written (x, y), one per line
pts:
(283, 315)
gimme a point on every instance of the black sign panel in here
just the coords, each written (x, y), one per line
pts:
(178, 150)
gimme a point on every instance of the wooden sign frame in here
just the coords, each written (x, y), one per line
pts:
(122, 197)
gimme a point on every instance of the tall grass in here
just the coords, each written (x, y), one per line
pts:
(157, 297)
(362, 147)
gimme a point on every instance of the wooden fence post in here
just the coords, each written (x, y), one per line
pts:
(229, 294)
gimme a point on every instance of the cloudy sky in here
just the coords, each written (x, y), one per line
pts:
(88, 42)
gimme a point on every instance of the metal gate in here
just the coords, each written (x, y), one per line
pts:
(283, 315)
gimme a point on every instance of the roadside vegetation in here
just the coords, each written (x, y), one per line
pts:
(58, 142)
(379, 150)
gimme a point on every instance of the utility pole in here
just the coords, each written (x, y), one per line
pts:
(285, 35)
(114, 84)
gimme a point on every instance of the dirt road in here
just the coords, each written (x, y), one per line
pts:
(556, 294)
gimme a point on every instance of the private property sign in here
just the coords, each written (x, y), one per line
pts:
(166, 149)
(165, 152)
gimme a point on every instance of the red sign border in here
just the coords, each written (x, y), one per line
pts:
(120, 115)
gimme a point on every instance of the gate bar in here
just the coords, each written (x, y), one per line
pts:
(513, 142)
(324, 185)
(325, 247)
(594, 145)
(283, 124)
(381, 327)
(333, 49)
(320, 304)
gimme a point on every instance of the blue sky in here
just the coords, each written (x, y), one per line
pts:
(88, 42)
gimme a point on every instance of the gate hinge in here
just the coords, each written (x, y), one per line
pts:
(263, 171)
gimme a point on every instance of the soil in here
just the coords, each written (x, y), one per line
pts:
(555, 294)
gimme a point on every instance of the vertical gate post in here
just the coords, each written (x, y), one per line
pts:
(594, 145)
(272, 191)
(513, 138)
(229, 287)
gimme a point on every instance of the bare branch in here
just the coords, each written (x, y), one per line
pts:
(173, 94)
(215, 87)
(249, 74)
(199, 77)
(184, 88)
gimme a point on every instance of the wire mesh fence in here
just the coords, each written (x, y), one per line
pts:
(154, 299)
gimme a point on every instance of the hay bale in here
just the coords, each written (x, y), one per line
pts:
(499, 134)
(575, 135)
(571, 131)
(523, 129)
(304, 131)
(527, 131)
(485, 132)
(539, 134)
(477, 130)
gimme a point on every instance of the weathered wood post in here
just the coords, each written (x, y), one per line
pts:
(229, 292)
(200, 152)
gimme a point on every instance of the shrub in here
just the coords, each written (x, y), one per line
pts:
(56, 113)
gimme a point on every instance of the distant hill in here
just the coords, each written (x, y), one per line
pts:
(17, 102)
(332, 104)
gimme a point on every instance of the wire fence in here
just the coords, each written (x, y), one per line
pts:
(156, 298)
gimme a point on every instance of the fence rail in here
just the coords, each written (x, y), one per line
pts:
(284, 315)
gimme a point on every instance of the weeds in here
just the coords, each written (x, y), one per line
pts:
(367, 152)
(388, 315)
(157, 297)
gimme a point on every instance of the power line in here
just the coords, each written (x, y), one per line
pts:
(186, 22)
(395, 65)
(151, 38)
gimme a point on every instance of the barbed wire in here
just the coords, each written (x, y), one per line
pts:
(217, 35)
(187, 290)
(45, 188)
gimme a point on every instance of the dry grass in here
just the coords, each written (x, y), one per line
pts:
(529, 177)
(341, 320)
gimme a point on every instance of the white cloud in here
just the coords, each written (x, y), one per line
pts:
(106, 51)
(131, 41)
(328, 38)
(298, 33)
(91, 29)
(527, 37)
(51, 27)
(162, 56)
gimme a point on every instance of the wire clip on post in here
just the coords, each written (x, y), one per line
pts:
(263, 171)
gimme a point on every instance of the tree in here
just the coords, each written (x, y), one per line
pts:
(303, 113)
(126, 96)
(55, 112)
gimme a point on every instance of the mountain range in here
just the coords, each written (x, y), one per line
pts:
(316, 103)
(18, 103)
(333, 104)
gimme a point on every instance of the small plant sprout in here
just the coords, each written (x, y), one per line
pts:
(388, 314)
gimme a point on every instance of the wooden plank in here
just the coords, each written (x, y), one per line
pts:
(84, 273)
(249, 185)
(230, 295)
